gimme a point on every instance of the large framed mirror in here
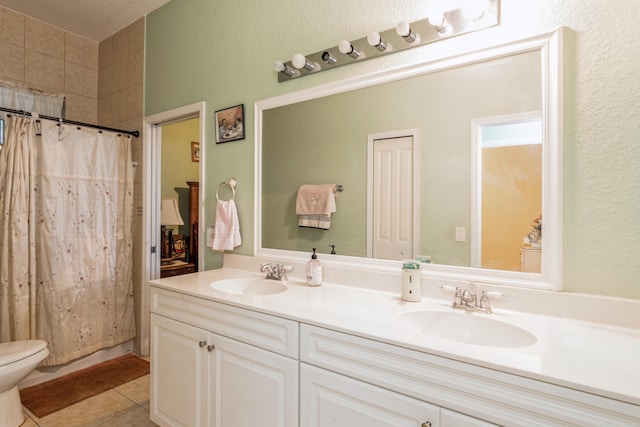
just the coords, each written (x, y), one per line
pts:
(476, 139)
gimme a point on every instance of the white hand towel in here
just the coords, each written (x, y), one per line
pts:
(316, 200)
(227, 227)
(315, 204)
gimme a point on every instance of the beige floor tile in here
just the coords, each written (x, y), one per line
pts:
(136, 417)
(28, 422)
(90, 412)
(136, 390)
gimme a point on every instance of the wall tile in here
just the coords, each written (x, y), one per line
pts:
(81, 109)
(119, 75)
(105, 53)
(135, 69)
(134, 101)
(43, 38)
(136, 36)
(121, 45)
(105, 110)
(106, 81)
(11, 27)
(81, 51)
(120, 106)
(81, 80)
(12, 63)
(44, 70)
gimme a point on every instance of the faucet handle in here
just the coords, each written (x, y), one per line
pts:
(266, 266)
(484, 303)
(282, 271)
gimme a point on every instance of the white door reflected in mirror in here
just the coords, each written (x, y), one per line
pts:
(391, 221)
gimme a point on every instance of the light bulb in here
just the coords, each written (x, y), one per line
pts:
(437, 22)
(376, 41)
(347, 48)
(281, 67)
(300, 61)
(404, 30)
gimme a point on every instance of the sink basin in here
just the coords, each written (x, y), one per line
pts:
(249, 286)
(468, 328)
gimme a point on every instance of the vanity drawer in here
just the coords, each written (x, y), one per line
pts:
(261, 330)
(487, 394)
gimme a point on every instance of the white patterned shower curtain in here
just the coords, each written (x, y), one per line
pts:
(66, 199)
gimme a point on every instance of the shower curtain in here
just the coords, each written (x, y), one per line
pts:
(66, 196)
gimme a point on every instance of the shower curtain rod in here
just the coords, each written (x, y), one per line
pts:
(72, 122)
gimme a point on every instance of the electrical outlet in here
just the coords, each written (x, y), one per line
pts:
(461, 234)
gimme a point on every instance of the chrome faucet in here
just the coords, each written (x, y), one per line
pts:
(275, 272)
(468, 300)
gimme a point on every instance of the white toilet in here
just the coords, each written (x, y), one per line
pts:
(17, 360)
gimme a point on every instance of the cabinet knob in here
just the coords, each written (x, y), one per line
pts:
(211, 347)
(202, 343)
(426, 424)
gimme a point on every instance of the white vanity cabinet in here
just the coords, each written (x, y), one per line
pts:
(328, 399)
(201, 377)
(455, 419)
(217, 364)
(466, 395)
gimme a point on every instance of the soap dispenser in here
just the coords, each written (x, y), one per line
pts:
(314, 270)
(411, 281)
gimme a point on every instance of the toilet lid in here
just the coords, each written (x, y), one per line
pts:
(13, 351)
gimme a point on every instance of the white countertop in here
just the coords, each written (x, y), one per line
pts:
(591, 357)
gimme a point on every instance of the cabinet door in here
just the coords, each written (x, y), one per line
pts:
(328, 399)
(179, 373)
(454, 419)
(252, 387)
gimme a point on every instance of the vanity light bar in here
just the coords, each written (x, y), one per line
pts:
(449, 24)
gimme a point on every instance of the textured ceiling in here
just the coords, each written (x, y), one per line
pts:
(93, 19)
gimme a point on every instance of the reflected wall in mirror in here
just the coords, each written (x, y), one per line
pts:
(324, 138)
(506, 191)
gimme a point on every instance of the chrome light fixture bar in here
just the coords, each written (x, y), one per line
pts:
(431, 29)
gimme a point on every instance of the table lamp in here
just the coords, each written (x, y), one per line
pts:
(169, 215)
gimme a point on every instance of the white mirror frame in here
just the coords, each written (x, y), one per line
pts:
(478, 48)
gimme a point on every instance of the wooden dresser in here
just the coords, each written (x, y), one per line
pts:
(194, 207)
(176, 268)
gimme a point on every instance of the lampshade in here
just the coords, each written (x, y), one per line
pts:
(169, 212)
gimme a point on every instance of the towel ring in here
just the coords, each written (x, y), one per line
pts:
(231, 183)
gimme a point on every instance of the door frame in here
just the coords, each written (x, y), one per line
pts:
(371, 138)
(152, 155)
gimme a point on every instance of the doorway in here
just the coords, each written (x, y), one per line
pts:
(506, 189)
(152, 184)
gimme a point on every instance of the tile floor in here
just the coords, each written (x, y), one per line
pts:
(126, 405)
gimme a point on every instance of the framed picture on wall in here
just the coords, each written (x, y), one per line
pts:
(195, 151)
(230, 124)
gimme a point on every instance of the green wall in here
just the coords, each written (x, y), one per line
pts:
(222, 53)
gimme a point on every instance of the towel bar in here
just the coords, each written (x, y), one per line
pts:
(231, 183)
